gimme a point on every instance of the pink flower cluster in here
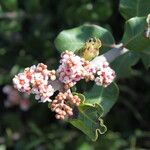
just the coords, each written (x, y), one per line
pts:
(74, 68)
(40, 81)
(35, 80)
(105, 75)
(14, 99)
(62, 104)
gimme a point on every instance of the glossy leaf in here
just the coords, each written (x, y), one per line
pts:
(74, 39)
(88, 120)
(134, 35)
(123, 64)
(132, 8)
(106, 97)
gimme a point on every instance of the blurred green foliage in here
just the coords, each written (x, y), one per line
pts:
(27, 32)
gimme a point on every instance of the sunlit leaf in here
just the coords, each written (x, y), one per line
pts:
(123, 64)
(134, 35)
(74, 39)
(88, 120)
(106, 97)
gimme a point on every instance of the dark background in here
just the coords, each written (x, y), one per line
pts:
(27, 32)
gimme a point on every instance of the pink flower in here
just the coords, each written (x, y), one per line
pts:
(14, 99)
(35, 80)
(24, 104)
(105, 75)
(74, 68)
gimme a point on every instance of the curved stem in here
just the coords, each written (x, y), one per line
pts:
(111, 55)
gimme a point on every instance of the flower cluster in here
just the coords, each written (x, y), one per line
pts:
(62, 104)
(105, 75)
(74, 68)
(14, 99)
(40, 81)
(35, 80)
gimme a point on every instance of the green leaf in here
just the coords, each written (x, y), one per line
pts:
(88, 120)
(85, 146)
(81, 96)
(134, 35)
(2, 147)
(145, 56)
(123, 64)
(74, 39)
(106, 97)
(9, 5)
(132, 8)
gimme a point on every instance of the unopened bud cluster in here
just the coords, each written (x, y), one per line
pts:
(62, 104)
(38, 80)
